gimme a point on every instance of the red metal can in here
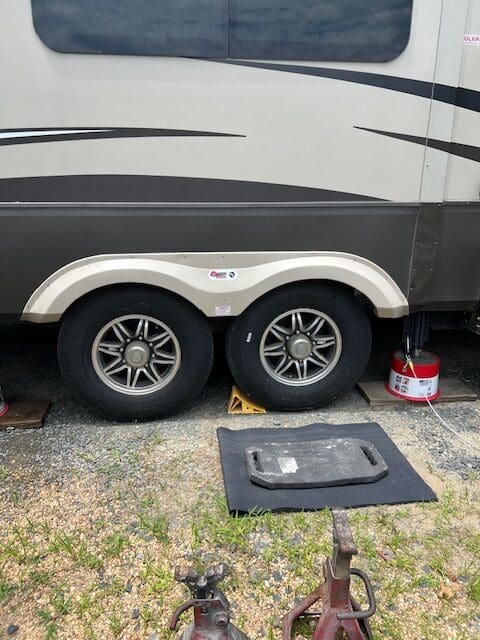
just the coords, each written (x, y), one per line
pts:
(415, 387)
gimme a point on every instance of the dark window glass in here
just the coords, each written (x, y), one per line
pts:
(329, 30)
(141, 27)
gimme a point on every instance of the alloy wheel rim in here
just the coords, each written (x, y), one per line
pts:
(300, 347)
(136, 354)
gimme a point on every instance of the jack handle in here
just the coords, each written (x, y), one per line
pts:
(361, 615)
(179, 612)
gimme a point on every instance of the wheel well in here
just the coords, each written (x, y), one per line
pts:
(331, 283)
(101, 291)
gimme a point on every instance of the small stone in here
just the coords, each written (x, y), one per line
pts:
(132, 527)
(135, 614)
(128, 587)
(276, 575)
(12, 629)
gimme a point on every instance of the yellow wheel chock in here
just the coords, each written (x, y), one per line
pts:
(240, 403)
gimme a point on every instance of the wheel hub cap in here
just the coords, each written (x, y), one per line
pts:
(299, 347)
(137, 354)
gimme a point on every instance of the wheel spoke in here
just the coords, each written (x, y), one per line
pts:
(318, 360)
(315, 326)
(121, 331)
(136, 377)
(305, 368)
(283, 365)
(155, 371)
(298, 367)
(110, 348)
(275, 349)
(142, 328)
(299, 322)
(160, 340)
(113, 372)
(162, 357)
(150, 375)
(108, 369)
(324, 341)
(280, 332)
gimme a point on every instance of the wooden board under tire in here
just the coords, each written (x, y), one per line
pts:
(452, 390)
(25, 415)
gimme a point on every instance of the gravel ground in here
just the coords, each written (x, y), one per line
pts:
(28, 369)
(86, 504)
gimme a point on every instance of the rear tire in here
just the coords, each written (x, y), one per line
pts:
(300, 347)
(135, 353)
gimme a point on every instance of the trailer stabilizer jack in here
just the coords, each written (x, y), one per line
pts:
(339, 616)
(211, 609)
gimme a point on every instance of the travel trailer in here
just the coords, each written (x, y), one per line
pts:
(289, 167)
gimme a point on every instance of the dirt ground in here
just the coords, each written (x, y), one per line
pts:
(94, 515)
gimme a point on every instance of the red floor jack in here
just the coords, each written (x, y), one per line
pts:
(340, 616)
(211, 610)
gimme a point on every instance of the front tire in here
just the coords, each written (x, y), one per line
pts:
(135, 353)
(300, 347)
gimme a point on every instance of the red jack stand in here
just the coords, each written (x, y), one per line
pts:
(211, 610)
(340, 616)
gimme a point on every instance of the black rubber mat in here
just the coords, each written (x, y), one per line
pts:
(401, 485)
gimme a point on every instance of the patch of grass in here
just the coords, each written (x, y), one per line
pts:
(61, 604)
(116, 625)
(153, 520)
(158, 578)
(51, 628)
(223, 530)
(114, 544)
(15, 494)
(77, 549)
(20, 548)
(6, 589)
(38, 578)
(474, 588)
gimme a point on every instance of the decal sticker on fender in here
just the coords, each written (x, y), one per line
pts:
(223, 310)
(223, 274)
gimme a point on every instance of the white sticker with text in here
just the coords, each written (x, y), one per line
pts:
(288, 465)
(223, 310)
(471, 39)
(223, 274)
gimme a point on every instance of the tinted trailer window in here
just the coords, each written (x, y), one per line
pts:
(328, 30)
(195, 28)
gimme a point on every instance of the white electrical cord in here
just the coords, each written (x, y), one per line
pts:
(445, 424)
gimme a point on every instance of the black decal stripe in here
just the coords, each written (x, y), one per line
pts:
(141, 188)
(459, 96)
(454, 148)
(93, 133)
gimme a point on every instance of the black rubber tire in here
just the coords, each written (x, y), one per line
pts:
(245, 333)
(81, 326)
